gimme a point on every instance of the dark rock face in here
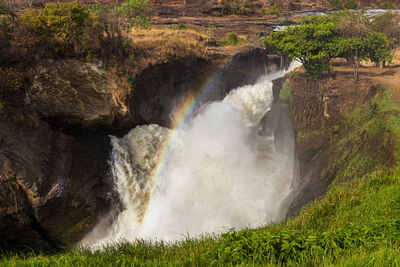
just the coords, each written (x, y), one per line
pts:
(54, 173)
(161, 91)
(50, 189)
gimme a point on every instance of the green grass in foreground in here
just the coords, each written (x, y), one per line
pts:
(357, 223)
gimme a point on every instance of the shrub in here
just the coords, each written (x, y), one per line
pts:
(137, 12)
(11, 83)
(110, 25)
(238, 7)
(57, 26)
(6, 32)
(336, 4)
(10, 80)
(210, 30)
(351, 4)
(73, 29)
(231, 39)
(270, 12)
(387, 6)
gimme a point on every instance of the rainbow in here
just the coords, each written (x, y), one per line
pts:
(181, 114)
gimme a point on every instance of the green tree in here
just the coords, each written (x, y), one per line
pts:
(358, 41)
(57, 26)
(317, 40)
(379, 48)
(389, 24)
(137, 12)
(311, 43)
(387, 6)
(112, 23)
(336, 4)
(374, 47)
(351, 4)
(239, 7)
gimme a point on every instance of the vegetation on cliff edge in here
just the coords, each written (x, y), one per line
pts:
(351, 35)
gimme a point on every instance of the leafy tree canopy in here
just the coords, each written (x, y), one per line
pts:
(311, 43)
(57, 25)
(70, 27)
(318, 39)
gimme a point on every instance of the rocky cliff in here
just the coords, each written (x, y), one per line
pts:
(318, 110)
(310, 112)
(54, 173)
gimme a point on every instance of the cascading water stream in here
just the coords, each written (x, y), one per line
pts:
(212, 173)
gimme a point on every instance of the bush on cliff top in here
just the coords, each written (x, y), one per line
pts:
(71, 29)
(57, 26)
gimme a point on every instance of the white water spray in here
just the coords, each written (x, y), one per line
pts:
(219, 173)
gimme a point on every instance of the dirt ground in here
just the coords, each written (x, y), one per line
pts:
(389, 76)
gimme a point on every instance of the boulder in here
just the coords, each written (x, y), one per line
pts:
(74, 92)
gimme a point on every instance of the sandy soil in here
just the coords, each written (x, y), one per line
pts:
(389, 76)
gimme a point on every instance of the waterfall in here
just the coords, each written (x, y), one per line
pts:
(213, 173)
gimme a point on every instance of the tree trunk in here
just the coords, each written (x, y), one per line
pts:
(357, 66)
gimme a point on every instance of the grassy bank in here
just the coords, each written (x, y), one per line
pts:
(356, 223)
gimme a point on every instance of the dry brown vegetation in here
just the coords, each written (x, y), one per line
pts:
(158, 46)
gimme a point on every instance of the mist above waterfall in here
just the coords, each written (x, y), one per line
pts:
(218, 172)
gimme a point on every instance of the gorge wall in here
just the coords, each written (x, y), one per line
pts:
(318, 110)
(55, 147)
(312, 112)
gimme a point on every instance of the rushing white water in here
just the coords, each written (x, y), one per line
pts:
(218, 173)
